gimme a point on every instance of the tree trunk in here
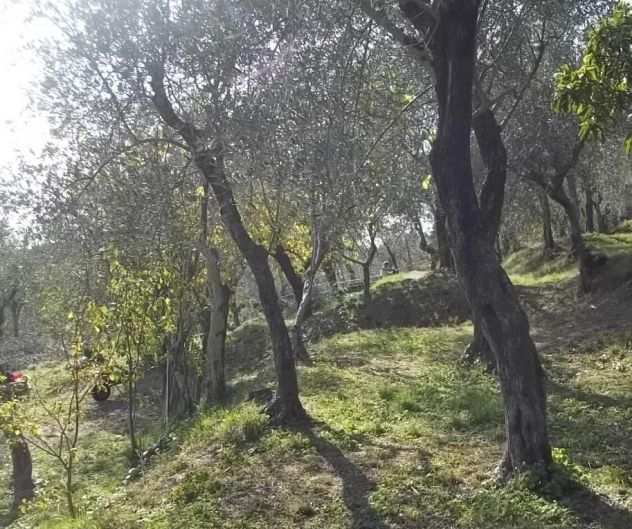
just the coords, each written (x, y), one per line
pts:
(443, 243)
(392, 257)
(479, 350)
(210, 162)
(578, 246)
(366, 283)
(16, 309)
(235, 311)
(329, 269)
(214, 386)
(571, 183)
(602, 220)
(180, 386)
(293, 278)
(424, 245)
(490, 293)
(23, 486)
(590, 209)
(547, 228)
(409, 257)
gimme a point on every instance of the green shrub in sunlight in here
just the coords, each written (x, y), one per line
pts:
(238, 426)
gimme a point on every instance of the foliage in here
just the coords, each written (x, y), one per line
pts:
(599, 90)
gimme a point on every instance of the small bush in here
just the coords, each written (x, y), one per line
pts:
(245, 424)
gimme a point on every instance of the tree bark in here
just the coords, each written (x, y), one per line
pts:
(547, 228)
(23, 486)
(443, 243)
(590, 208)
(391, 255)
(488, 289)
(293, 278)
(329, 269)
(214, 387)
(578, 246)
(320, 247)
(571, 183)
(210, 161)
(424, 245)
(16, 309)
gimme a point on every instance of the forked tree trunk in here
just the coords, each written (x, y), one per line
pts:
(424, 245)
(392, 256)
(320, 247)
(487, 287)
(210, 162)
(23, 486)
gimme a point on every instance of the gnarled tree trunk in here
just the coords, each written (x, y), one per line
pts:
(488, 289)
(210, 162)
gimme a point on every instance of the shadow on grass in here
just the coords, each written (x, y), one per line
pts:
(594, 426)
(588, 397)
(356, 486)
(592, 508)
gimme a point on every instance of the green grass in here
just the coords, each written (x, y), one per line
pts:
(529, 267)
(414, 275)
(403, 436)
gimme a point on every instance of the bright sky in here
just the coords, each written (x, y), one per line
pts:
(21, 130)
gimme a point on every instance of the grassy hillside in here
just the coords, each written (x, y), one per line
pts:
(402, 437)
(530, 267)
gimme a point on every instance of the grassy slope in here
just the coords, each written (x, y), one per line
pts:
(403, 437)
(528, 267)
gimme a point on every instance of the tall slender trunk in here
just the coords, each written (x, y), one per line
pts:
(214, 386)
(409, 257)
(23, 486)
(547, 228)
(16, 309)
(602, 218)
(488, 289)
(590, 208)
(210, 162)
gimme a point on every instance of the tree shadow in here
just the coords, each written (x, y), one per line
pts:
(593, 508)
(588, 397)
(356, 486)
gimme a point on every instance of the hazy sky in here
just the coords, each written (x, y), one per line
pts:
(21, 129)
